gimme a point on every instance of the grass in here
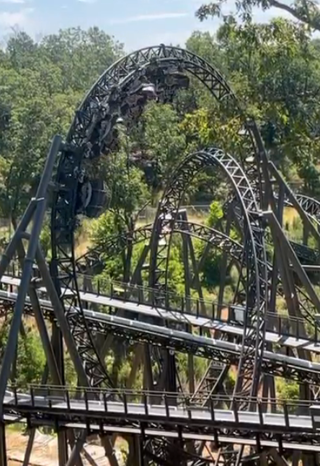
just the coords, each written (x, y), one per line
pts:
(290, 215)
(82, 245)
(83, 242)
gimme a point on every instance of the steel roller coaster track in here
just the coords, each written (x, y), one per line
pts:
(86, 140)
(269, 268)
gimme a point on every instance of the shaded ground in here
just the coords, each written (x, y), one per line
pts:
(44, 452)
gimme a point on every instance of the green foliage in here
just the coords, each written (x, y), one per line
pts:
(127, 188)
(110, 229)
(176, 271)
(287, 81)
(45, 240)
(70, 373)
(160, 142)
(306, 11)
(215, 214)
(205, 127)
(274, 68)
(41, 84)
(30, 356)
(287, 390)
(210, 271)
(31, 360)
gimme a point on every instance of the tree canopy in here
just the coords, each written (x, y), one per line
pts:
(273, 68)
(305, 11)
(41, 85)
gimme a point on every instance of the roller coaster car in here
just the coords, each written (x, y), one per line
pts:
(177, 79)
(143, 87)
(113, 96)
(111, 143)
(143, 93)
(92, 151)
(92, 198)
(134, 99)
(106, 125)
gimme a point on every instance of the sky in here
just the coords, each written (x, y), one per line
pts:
(135, 23)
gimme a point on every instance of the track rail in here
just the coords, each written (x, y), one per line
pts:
(119, 409)
(183, 340)
(87, 139)
(255, 254)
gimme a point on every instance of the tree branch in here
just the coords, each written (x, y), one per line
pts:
(313, 22)
(307, 13)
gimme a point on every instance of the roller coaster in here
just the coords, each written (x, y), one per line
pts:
(267, 330)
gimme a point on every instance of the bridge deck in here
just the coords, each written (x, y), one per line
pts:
(184, 341)
(233, 328)
(197, 422)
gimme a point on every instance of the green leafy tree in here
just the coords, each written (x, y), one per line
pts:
(41, 85)
(160, 143)
(306, 11)
(274, 70)
(128, 193)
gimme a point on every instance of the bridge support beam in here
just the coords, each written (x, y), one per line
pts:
(37, 217)
(278, 458)
(62, 447)
(32, 434)
(3, 448)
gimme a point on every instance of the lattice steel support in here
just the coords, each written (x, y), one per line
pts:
(115, 96)
(36, 212)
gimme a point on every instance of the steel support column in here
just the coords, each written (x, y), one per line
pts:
(3, 447)
(62, 447)
(277, 232)
(187, 293)
(223, 268)
(68, 338)
(279, 460)
(27, 455)
(28, 264)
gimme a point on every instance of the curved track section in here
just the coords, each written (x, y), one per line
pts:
(255, 254)
(95, 258)
(120, 93)
(255, 258)
(310, 205)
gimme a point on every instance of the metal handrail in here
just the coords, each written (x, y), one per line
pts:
(176, 395)
(284, 325)
(43, 397)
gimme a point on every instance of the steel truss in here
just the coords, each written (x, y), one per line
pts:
(254, 259)
(121, 94)
(92, 133)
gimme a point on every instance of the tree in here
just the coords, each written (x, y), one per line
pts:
(306, 11)
(81, 56)
(41, 85)
(127, 193)
(274, 70)
(159, 143)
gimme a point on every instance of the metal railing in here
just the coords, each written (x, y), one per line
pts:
(152, 297)
(163, 405)
(144, 295)
(281, 324)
